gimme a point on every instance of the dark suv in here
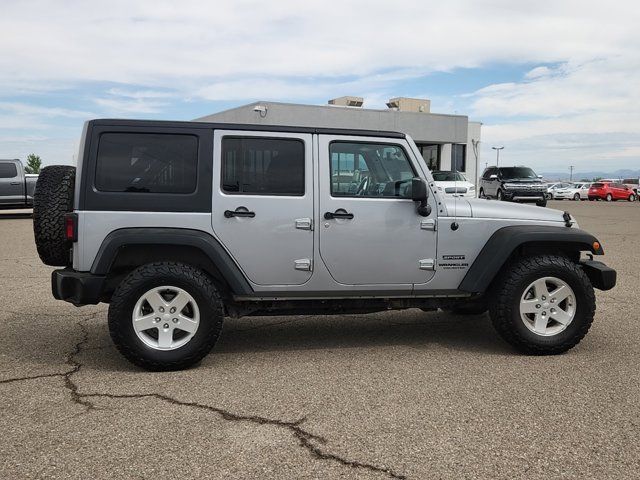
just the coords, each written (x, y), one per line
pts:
(514, 184)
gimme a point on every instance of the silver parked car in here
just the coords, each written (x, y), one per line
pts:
(552, 188)
(177, 225)
(575, 191)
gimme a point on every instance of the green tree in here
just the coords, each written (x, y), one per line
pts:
(33, 164)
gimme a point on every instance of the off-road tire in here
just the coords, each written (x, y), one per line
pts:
(509, 287)
(197, 283)
(52, 199)
(499, 195)
(542, 203)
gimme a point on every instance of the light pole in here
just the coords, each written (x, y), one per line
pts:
(497, 149)
(571, 173)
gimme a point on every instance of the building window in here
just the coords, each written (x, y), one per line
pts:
(147, 163)
(263, 166)
(459, 157)
(369, 170)
(431, 155)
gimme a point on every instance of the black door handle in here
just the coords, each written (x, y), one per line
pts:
(239, 212)
(339, 213)
(15, 183)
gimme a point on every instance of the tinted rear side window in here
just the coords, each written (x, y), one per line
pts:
(8, 170)
(147, 163)
(263, 166)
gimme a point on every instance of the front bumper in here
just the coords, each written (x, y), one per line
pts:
(460, 195)
(79, 288)
(523, 196)
(564, 196)
(601, 276)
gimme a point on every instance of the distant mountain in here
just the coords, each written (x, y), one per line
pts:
(578, 175)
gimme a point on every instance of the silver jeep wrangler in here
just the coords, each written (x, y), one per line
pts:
(179, 224)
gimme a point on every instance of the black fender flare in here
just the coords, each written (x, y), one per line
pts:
(203, 241)
(506, 240)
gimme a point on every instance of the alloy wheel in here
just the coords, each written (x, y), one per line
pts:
(548, 306)
(165, 318)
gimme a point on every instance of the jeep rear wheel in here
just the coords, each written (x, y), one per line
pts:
(165, 316)
(52, 199)
(542, 305)
(500, 195)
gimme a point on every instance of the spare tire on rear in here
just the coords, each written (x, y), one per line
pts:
(52, 199)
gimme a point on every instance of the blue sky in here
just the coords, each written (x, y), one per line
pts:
(555, 82)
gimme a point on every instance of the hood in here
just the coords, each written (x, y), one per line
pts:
(483, 208)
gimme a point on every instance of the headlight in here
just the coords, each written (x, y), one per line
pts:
(471, 188)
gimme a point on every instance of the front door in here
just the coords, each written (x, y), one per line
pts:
(370, 232)
(11, 184)
(262, 208)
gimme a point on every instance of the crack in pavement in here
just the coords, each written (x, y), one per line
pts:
(31, 377)
(305, 438)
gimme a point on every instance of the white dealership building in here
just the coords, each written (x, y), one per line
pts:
(447, 142)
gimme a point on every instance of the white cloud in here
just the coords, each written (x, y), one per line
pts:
(159, 42)
(131, 101)
(584, 101)
(585, 53)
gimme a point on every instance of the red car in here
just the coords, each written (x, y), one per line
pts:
(610, 191)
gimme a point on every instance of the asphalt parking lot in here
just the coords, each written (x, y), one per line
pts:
(391, 395)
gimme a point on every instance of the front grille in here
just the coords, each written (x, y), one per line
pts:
(527, 188)
(455, 190)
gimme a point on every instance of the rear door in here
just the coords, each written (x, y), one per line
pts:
(262, 207)
(11, 184)
(584, 190)
(370, 232)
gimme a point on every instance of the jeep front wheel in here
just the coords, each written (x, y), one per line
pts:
(165, 316)
(543, 305)
(500, 195)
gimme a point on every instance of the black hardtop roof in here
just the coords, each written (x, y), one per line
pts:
(244, 126)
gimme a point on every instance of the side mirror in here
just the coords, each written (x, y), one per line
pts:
(493, 177)
(420, 193)
(419, 190)
(540, 176)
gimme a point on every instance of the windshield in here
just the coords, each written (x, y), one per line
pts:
(449, 177)
(518, 172)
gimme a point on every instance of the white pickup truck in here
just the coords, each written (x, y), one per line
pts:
(16, 187)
